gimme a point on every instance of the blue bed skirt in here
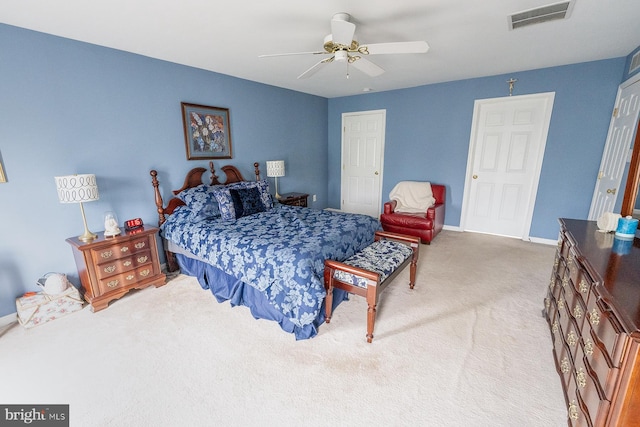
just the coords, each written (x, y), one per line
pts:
(227, 288)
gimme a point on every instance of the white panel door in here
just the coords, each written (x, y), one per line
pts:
(505, 158)
(616, 150)
(362, 150)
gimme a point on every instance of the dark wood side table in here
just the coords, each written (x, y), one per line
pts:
(294, 199)
(110, 267)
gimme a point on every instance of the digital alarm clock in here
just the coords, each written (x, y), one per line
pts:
(133, 224)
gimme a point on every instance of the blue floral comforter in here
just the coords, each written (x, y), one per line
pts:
(280, 252)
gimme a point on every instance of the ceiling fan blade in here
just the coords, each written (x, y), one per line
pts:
(342, 31)
(311, 71)
(399, 47)
(367, 67)
(294, 53)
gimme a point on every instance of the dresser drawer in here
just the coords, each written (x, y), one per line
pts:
(577, 411)
(575, 305)
(120, 250)
(123, 264)
(605, 330)
(596, 406)
(125, 279)
(604, 374)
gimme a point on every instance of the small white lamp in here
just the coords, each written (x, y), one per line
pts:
(78, 189)
(275, 168)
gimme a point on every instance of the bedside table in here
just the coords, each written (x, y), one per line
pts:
(110, 267)
(294, 199)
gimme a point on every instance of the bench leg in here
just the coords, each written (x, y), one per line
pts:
(328, 301)
(371, 320)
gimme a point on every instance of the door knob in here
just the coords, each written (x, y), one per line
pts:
(611, 191)
(475, 176)
(376, 172)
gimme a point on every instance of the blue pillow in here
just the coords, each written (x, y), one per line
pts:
(262, 186)
(246, 201)
(202, 201)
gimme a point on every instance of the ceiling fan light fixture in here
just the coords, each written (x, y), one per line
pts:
(341, 56)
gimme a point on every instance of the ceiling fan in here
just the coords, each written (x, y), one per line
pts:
(343, 47)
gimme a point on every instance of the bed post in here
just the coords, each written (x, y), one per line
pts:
(256, 166)
(214, 177)
(154, 181)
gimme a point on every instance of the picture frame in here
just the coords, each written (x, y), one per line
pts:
(3, 177)
(207, 133)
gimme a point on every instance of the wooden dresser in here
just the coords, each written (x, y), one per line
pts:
(593, 310)
(111, 267)
(294, 199)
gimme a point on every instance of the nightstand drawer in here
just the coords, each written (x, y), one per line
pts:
(125, 279)
(123, 264)
(119, 250)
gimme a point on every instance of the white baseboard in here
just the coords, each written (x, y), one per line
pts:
(543, 241)
(8, 319)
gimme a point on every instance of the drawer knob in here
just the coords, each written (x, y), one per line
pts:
(573, 410)
(106, 254)
(577, 311)
(110, 269)
(584, 288)
(581, 378)
(572, 339)
(113, 283)
(142, 259)
(145, 273)
(130, 277)
(565, 281)
(561, 302)
(554, 327)
(594, 319)
(588, 347)
(140, 245)
(124, 249)
(127, 263)
(564, 365)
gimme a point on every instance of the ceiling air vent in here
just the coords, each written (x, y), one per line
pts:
(541, 14)
(635, 62)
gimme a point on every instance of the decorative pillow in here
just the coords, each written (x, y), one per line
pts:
(262, 186)
(202, 201)
(247, 201)
(225, 203)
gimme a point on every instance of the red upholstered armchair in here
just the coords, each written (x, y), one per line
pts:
(425, 225)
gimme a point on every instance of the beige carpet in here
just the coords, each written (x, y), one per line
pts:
(467, 347)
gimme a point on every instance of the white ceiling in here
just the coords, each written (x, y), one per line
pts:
(468, 38)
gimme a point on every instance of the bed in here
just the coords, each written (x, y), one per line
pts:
(247, 249)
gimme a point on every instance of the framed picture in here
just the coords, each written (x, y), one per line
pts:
(207, 134)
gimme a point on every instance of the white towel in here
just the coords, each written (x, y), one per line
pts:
(412, 196)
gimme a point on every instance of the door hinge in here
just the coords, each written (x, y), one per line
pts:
(600, 175)
(615, 112)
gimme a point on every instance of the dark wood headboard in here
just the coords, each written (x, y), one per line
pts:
(193, 179)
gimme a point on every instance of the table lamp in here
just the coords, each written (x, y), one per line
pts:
(275, 168)
(78, 189)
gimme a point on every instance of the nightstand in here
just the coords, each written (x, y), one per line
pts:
(294, 199)
(110, 267)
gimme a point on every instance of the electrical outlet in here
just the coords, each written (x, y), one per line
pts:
(314, 197)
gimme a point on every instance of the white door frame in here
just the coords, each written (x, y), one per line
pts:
(550, 96)
(594, 209)
(381, 154)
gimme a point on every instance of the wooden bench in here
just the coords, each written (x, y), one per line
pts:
(370, 271)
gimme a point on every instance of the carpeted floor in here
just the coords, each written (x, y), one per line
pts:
(467, 347)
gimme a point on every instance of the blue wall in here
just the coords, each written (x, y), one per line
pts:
(428, 131)
(69, 107)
